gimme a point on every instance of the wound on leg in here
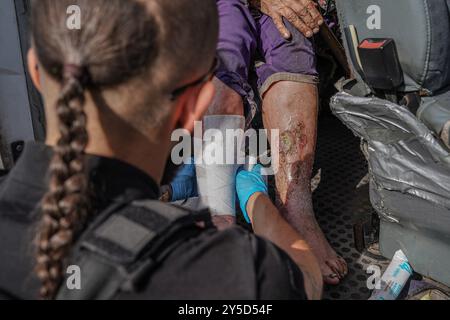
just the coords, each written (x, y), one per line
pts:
(293, 142)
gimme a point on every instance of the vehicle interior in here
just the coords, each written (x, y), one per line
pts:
(382, 173)
(397, 103)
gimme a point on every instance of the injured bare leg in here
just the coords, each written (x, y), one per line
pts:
(226, 102)
(292, 108)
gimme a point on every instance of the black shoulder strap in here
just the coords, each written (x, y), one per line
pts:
(126, 243)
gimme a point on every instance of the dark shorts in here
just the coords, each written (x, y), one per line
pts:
(249, 41)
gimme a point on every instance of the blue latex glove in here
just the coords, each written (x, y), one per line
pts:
(247, 184)
(184, 185)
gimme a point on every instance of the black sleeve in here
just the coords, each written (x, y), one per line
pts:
(2, 176)
(278, 277)
(228, 265)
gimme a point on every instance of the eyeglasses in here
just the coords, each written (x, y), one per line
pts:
(208, 77)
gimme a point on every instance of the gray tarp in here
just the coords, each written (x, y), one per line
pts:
(409, 181)
(404, 155)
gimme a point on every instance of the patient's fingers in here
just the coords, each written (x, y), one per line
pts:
(278, 20)
(307, 12)
(293, 18)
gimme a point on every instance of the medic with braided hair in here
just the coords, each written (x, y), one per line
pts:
(114, 91)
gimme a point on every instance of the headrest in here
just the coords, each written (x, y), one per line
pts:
(420, 28)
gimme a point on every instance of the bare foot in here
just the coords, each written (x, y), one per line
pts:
(333, 267)
(223, 222)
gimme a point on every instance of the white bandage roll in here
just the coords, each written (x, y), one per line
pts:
(219, 161)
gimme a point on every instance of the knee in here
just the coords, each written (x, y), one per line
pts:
(227, 101)
(287, 93)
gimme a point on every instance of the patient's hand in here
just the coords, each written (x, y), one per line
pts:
(303, 14)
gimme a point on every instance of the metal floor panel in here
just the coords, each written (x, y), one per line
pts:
(340, 197)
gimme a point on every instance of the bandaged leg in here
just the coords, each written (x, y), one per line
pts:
(217, 165)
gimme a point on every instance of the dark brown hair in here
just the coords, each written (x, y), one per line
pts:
(118, 40)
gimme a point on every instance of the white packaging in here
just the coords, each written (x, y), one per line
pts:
(394, 279)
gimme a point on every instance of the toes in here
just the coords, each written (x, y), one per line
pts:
(343, 265)
(332, 264)
(329, 276)
(336, 271)
(331, 279)
(335, 267)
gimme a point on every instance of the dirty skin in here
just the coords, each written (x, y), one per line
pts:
(294, 171)
(294, 195)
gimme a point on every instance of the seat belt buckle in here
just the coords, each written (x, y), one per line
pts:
(381, 64)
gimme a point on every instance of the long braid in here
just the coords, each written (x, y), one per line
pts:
(65, 206)
(140, 47)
